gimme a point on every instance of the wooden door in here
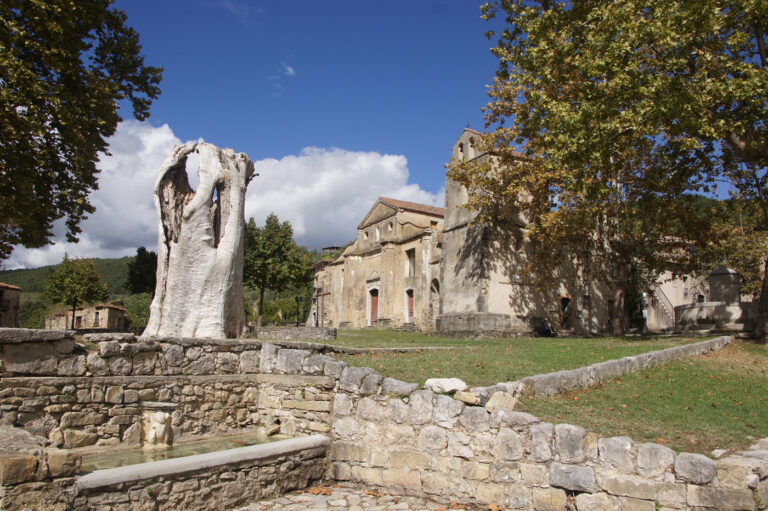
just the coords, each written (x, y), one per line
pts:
(409, 293)
(374, 305)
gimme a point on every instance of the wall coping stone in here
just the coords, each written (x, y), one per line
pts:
(20, 335)
(197, 462)
(118, 380)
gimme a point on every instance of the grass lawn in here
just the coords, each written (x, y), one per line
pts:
(713, 401)
(489, 361)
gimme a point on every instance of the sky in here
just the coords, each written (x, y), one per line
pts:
(337, 102)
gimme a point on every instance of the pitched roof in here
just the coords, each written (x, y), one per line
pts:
(415, 206)
(9, 286)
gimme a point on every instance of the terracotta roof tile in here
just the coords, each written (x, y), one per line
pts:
(9, 286)
(415, 206)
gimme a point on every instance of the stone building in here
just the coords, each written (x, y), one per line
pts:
(484, 288)
(102, 316)
(388, 277)
(9, 305)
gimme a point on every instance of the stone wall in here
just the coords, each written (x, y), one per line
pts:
(385, 433)
(220, 480)
(77, 397)
(292, 333)
(554, 383)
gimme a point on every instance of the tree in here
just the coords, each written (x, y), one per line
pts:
(272, 258)
(64, 66)
(142, 272)
(606, 117)
(74, 282)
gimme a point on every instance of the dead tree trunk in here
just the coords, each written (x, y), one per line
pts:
(199, 291)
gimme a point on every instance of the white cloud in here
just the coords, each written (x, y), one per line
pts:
(125, 212)
(324, 193)
(288, 70)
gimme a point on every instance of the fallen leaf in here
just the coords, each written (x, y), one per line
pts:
(372, 493)
(495, 507)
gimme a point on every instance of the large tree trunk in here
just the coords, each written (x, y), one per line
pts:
(761, 321)
(199, 291)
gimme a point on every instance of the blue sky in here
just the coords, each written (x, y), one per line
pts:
(337, 102)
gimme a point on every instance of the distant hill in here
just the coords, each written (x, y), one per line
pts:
(112, 271)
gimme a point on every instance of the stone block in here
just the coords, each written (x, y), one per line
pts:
(458, 445)
(173, 354)
(62, 463)
(403, 477)
(352, 378)
(85, 418)
(144, 363)
(147, 395)
(573, 477)
(370, 384)
(315, 364)
(549, 499)
(739, 472)
(507, 445)
(569, 443)
(420, 406)
(120, 366)
(114, 395)
(475, 418)
(109, 348)
(267, 358)
(695, 468)
(506, 473)
(340, 471)
(724, 499)
(626, 486)
(595, 502)
(347, 428)
(393, 387)
(616, 452)
(349, 451)
(76, 438)
(96, 365)
(476, 471)
(290, 361)
(37, 358)
(17, 468)
(369, 409)
(541, 440)
(438, 484)
(502, 401)
(334, 369)
(342, 405)
(469, 398)
(671, 495)
(432, 438)
(654, 460)
(72, 366)
(249, 362)
(367, 475)
(205, 364)
(131, 396)
(314, 406)
(445, 385)
(491, 493)
(447, 411)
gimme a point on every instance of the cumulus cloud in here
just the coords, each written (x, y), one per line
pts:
(125, 212)
(324, 193)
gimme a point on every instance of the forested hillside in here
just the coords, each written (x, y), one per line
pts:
(112, 271)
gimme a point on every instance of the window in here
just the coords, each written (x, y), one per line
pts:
(389, 227)
(96, 319)
(365, 235)
(411, 254)
(378, 234)
(78, 321)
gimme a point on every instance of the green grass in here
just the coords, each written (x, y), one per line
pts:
(489, 361)
(719, 400)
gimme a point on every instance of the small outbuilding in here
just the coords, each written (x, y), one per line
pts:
(99, 317)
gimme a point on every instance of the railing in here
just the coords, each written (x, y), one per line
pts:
(665, 302)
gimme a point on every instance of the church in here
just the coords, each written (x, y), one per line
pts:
(420, 267)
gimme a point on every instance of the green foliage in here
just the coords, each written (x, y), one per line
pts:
(64, 67)
(137, 308)
(272, 259)
(606, 117)
(75, 282)
(111, 271)
(142, 272)
(32, 314)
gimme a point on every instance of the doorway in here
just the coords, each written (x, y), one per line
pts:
(566, 313)
(374, 305)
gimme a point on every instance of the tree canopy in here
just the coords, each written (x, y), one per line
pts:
(142, 272)
(64, 68)
(273, 260)
(606, 117)
(75, 282)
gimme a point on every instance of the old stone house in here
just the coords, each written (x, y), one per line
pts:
(102, 316)
(9, 305)
(388, 277)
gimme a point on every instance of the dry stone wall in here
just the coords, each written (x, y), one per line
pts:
(385, 432)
